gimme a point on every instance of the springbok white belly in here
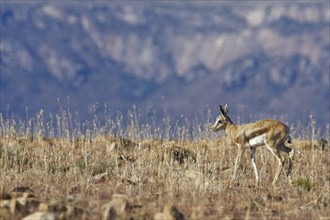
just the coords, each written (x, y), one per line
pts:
(257, 141)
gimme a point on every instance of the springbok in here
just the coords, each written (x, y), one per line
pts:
(272, 133)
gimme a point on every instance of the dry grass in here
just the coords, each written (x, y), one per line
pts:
(145, 176)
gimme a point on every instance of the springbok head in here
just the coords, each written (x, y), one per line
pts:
(222, 120)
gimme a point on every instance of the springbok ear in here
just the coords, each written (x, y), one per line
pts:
(220, 106)
(224, 110)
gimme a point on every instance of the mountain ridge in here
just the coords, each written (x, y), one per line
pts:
(272, 58)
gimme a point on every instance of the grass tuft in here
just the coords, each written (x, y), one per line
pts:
(304, 183)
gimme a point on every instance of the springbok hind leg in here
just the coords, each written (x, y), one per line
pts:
(279, 169)
(275, 151)
(291, 157)
(290, 152)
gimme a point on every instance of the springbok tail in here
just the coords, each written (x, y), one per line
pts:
(288, 141)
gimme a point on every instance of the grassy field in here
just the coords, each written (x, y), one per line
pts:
(64, 169)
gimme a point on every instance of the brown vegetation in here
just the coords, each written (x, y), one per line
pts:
(108, 177)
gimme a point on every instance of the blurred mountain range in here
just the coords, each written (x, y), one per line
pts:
(268, 59)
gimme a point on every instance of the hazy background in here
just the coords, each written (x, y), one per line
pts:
(179, 58)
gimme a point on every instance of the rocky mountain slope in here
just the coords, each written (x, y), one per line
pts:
(266, 59)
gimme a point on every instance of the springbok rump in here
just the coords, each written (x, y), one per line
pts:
(272, 133)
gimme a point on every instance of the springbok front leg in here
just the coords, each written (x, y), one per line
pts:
(240, 152)
(253, 153)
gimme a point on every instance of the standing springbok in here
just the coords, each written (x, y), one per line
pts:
(272, 133)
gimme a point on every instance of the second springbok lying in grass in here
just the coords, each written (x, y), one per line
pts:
(271, 133)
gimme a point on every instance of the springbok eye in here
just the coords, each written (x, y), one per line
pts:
(219, 122)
